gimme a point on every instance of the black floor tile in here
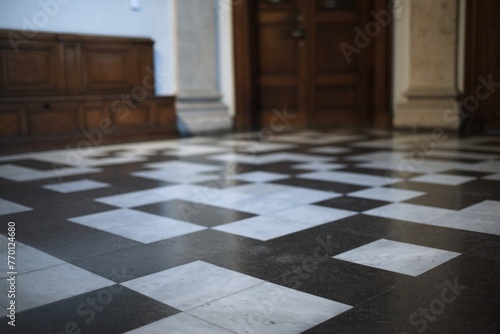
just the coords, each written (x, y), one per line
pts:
(383, 301)
(150, 258)
(352, 203)
(442, 238)
(370, 226)
(114, 309)
(338, 280)
(197, 213)
(342, 188)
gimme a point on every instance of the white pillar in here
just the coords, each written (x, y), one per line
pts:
(199, 104)
(431, 99)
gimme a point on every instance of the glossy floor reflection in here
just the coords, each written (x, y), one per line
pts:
(315, 232)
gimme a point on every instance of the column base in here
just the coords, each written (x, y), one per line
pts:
(200, 118)
(428, 113)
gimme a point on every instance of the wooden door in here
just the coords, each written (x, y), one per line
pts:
(311, 63)
(481, 103)
(281, 62)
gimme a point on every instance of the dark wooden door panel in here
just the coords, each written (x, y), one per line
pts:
(30, 66)
(338, 89)
(281, 60)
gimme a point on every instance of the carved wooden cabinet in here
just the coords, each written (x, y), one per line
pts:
(55, 88)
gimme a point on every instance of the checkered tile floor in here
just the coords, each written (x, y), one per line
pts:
(316, 232)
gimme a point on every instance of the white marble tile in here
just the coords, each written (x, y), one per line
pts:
(52, 284)
(222, 198)
(75, 186)
(312, 215)
(398, 257)
(469, 221)
(490, 207)
(8, 207)
(269, 309)
(485, 166)
(259, 177)
(301, 157)
(114, 218)
(318, 138)
(385, 144)
(389, 156)
(190, 150)
(464, 155)
(443, 179)
(387, 194)
(4, 242)
(191, 285)
(258, 205)
(27, 259)
(139, 226)
(409, 212)
(256, 146)
(183, 167)
(161, 175)
(156, 195)
(351, 178)
(245, 158)
(20, 173)
(494, 177)
(319, 166)
(108, 161)
(330, 150)
(180, 323)
(24, 174)
(263, 228)
(302, 195)
(259, 189)
(408, 165)
(152, 231)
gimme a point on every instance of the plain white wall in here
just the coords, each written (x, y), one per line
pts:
(154, 20)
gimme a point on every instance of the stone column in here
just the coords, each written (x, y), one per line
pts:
(432, 96)
(199, 105)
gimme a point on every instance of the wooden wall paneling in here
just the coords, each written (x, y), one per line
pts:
(72, 63)
(31, 70)
(53, 117)
(9, 119)
(65, 85)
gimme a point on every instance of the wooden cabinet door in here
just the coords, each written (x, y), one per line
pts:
(307, 74)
